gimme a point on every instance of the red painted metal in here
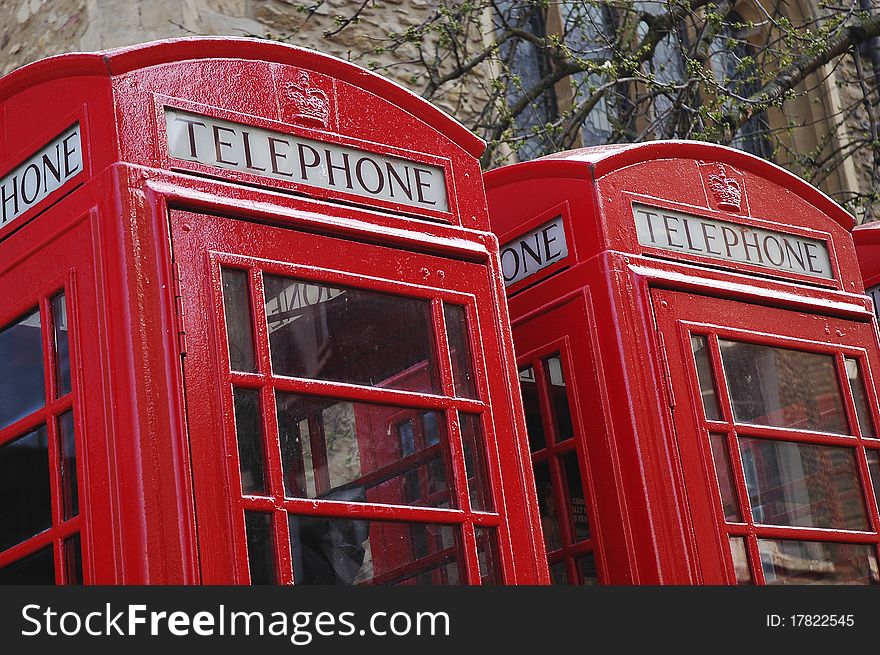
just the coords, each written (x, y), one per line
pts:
(137, 240)
(620, 313)
(867, 240)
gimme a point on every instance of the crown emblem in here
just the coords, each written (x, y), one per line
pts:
(310, 103)
(726, 190)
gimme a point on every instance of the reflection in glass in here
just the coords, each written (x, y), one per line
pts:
(460, 350)
(67, 443)
(577, 505)
(250, 441)
(532, 406)
(475, 462)
(350, 335)
(334, 551)
(783, 388)
(547, 507)
(721, 457)
(587, 570)
(874, 468)
(73, 559)
(813, 562)
(297, 461)
(857, 386)
(62, 344)
(740, 561)
(21, 369)
(558, 398)
(239, 326)
(803, 485)
(261, 548)
(36, 568)
(709, 394)
(431, 427)
(488, 556)
(407, 436)
(25, 505)
(356, 452)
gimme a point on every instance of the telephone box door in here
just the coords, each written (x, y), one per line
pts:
(339, 413)
(560, 421)
(53, 454)
(776, 420)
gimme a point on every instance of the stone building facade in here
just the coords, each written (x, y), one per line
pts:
(38, 28)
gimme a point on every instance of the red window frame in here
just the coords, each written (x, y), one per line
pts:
(538, 340)
(63, 530)
(681, 315)
(206, 244)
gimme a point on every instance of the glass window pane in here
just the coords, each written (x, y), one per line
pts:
(261, 548)
(412, 482)
(803, 485)
(783, 388)
(857, 386)
(874, 468)
(73, 560)
(812, 562)
(558, 398)
(350, 335)
(721, 457)
(532, 406)
(547, 507)
(407, 436)
(475, 462)
(558, 575)
(239, 325)
(25, 504)
(21, 369)
(67, 443)
(297, 461)
(62, 344)
(460, 351)
(577, 505)
(431, 427)
(488, 556)
(740, 561)
(36, 568)
(248, 428)
(587, 570)
(336, 551)
(357, 452)
(708, 392)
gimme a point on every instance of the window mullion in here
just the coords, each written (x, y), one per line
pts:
(441, 343)
(454, 453)
(54, 449)
(455, 457)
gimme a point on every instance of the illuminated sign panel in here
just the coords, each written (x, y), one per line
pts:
(44, 172)
(707, 237)
(280, 156)
(533, 251)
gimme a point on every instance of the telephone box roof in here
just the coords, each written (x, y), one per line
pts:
(110, 63)
(597, 161)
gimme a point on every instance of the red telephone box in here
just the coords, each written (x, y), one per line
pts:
(697, 363)
(252, 329)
